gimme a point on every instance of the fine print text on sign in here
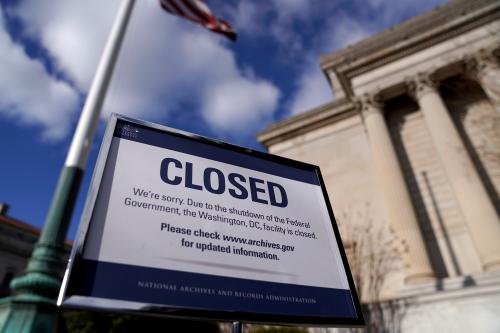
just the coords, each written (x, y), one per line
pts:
(180, 223)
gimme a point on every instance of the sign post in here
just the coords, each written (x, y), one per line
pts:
(183, 225)
(236, 327)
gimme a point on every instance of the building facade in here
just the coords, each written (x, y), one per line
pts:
(411, 145)
(16, 243)
(17, 240)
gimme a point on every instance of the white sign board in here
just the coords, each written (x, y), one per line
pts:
(177, 222)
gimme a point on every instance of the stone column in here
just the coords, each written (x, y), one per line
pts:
(478, 210)
(397, 200)
(485, 69)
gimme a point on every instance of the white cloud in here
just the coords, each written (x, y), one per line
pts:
(274, 19)
(284, 17)
(312, 88)
(185, 63)
(312, 91)
(240, 104)
(74, 32)
(288, 13)
(293, 8)
(165, 62)
(249, 17)
(387, 12)
(29, 94)
(343, 29)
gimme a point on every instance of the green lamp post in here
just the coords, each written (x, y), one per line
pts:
(32, 308)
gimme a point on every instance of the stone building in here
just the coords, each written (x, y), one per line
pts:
(17, 239)
(16, 243)
(412, 141)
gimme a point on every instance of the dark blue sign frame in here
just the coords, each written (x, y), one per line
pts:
(92, 284)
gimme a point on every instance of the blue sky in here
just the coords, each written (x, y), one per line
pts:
(170, 71)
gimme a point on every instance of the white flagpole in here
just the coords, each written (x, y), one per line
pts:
(84, 134)
(37, 290)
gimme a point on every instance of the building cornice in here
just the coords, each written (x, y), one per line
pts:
(306, 122)
(19, 225)
(421, 32)
(25, 227)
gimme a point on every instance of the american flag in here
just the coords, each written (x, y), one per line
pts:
(197, 11)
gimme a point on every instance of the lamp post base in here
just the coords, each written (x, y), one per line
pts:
(28, 314)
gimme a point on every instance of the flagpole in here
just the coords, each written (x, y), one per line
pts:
(32, 308)
(82, 140)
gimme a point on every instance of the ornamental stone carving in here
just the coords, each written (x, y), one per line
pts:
(369, 103)
(421, 84)
(484, 68)
(480, 63)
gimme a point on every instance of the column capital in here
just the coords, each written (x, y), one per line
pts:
(369, 103)
(479, 63)
(421, 84)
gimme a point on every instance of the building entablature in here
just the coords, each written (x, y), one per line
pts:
(306, 122)
(390, 63)
(482, 66)
(440, 39)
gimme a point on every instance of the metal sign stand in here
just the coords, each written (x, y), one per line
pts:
(237, 327)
